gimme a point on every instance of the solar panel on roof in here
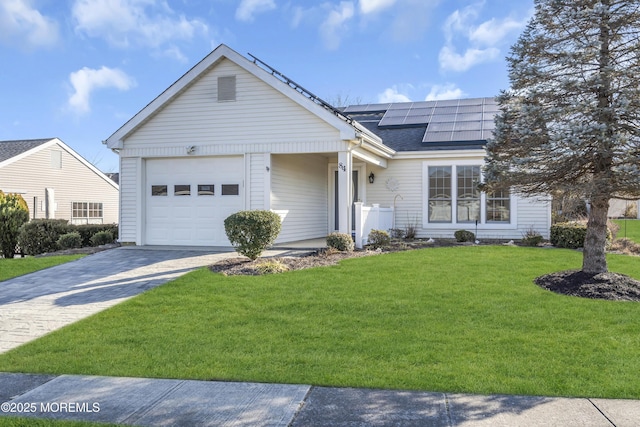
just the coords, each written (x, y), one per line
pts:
(448, 103)
(445, 110)
(401, 106)
(477, 125)
(469, 117)
(391, 121)
(466, 135)
(439, 118)
(421, 111)
(397, 113)
(416, 120)
(437, 127)
(471, 101)
(437, 136)
(488, 124)
(470, 109)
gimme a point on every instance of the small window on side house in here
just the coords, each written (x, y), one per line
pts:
(227, 88)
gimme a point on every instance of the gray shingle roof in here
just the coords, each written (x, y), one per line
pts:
(9, 149)
(429, 125)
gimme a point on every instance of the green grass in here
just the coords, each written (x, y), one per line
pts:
(459, 319)
(10, 268)
(629, 228)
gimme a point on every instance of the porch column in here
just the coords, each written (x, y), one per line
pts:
(345, 167)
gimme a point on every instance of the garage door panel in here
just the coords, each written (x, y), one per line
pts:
(193, 219)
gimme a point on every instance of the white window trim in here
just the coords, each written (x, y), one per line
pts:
(511, 225)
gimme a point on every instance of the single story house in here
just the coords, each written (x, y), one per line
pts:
(235, 134)
(57, 183)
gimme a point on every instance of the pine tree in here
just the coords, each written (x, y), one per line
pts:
(571, 118)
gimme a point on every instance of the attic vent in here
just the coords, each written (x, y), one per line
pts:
(227, 88)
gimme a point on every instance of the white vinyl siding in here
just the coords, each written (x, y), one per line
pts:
(129, 197)
(299, 194)
(260, 115)
(257, 177)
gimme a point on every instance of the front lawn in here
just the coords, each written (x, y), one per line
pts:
(14, 267)
(457, 319)
(629, 228)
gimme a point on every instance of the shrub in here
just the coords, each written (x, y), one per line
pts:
(631, 210)
(13, 214)
(531, 238)
(411, 229)
(626, 246)
(340, 241)
(379, 239)
(464, 236)
(397, 233)
(89, 230)
(271, 267)
(101, 238)
(70, 240)
(571, 235)
(41, 235)
(251, 232)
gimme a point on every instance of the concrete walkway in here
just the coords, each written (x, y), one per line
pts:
(38, 303)
(161, 402)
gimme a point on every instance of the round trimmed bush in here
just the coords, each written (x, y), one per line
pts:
(340, 241)
(101, 238)
(379, 239)
(251, 232)
(70, 240)
(464, 236)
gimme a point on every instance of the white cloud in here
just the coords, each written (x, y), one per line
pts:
(139, 23)
(392, 94)
(335, 25)
(374, 6)
(446, 91)
(451, 60)
(21, 24)
(482, 42)
(86, 80)
(249, 8)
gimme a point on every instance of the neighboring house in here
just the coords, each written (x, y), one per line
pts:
(56, 182)
(618, 208)
(235, 134)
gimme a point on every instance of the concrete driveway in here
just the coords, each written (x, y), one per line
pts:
(38, 303)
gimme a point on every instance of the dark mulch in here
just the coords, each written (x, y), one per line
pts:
(608, 286)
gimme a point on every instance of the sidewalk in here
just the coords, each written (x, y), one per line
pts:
(162, 402)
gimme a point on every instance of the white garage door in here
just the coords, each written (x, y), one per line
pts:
(187, 200)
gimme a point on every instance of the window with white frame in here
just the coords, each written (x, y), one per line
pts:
(453, 196)
(86, 210)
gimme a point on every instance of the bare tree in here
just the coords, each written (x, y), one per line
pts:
(571, 118)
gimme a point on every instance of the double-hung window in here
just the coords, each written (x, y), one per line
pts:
(86, 211)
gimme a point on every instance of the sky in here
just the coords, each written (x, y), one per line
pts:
(79, 69)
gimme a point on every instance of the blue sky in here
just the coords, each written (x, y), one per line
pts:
(79, 69)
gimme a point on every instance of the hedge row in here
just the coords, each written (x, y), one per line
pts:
(41, 235)
(571, 235)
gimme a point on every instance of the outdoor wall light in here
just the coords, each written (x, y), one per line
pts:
(372, 177)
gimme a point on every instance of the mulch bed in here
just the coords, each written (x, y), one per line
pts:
(608, 286)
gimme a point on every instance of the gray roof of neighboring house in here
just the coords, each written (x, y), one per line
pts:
(9, 149)
(429, 125)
